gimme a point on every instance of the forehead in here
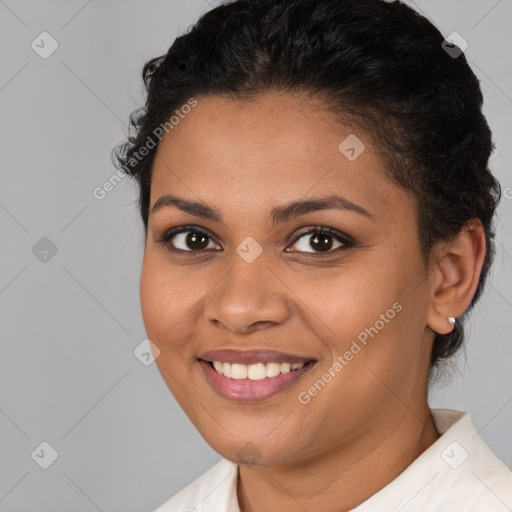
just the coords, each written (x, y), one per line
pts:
(276, 147)
(294, 126)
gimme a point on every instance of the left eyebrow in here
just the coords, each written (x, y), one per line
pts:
(297, 208)
(277, 215)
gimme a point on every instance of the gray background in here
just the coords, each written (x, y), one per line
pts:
(70, 324)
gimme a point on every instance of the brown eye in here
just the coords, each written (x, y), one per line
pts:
(321, 240)
(196, 240)
(187, 239)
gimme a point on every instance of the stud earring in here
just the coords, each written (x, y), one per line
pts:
(451, 320)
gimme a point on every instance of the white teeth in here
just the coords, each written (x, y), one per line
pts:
(257, 371)
(238, 371)
(273, 369)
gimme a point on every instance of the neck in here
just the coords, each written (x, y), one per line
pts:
(345, 476)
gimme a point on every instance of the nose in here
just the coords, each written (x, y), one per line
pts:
(249, 297)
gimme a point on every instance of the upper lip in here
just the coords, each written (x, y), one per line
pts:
(252, 356)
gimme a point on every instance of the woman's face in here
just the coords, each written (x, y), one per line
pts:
(350, 304)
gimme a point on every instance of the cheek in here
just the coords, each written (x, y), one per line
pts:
(382, 327)
(369, 303)
(165, 302)
(341, 302)
(152, 297)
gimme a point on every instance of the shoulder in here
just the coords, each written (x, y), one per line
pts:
(479, 473)
(466, 475)
(458, 472)
(214, 490)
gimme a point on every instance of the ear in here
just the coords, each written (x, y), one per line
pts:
(454, 276)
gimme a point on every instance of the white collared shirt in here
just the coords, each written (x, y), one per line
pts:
(458, 473)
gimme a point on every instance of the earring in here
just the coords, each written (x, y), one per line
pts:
(451, 320)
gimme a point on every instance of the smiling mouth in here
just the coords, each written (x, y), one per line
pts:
(257, 371)
(253, 375)
(250, 383)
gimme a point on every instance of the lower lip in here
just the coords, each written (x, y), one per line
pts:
(247, 390)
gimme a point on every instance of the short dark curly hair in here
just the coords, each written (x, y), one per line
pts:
(379, 66)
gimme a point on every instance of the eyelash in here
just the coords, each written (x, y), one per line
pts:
(314, 230)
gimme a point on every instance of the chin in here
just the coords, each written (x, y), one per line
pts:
(253, 452)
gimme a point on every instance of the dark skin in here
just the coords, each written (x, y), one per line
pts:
(372, 420)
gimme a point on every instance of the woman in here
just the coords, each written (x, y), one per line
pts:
(318, 212)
